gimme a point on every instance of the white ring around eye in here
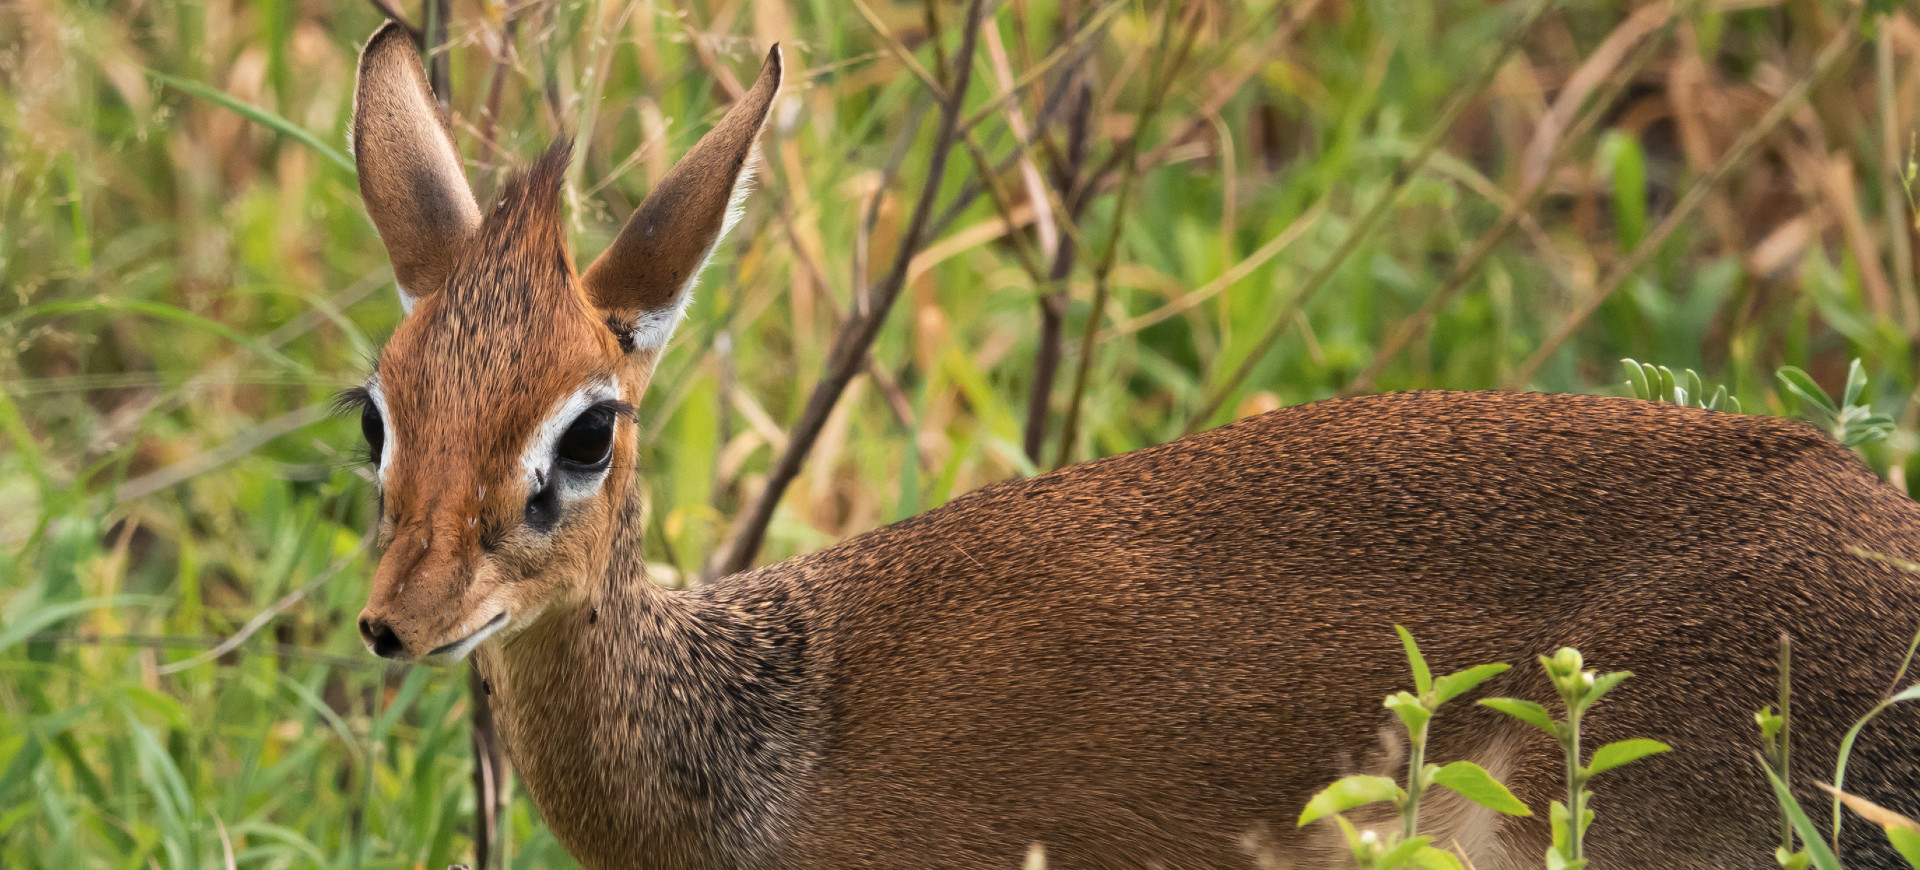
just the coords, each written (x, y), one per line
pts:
(387, 435)
(538, 455)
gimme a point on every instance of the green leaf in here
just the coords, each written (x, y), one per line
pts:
(1621, 160)
(1795, 861)
(1403, 853)
(21, 768)
(1525, 711)
(1430, 858)
(1557, 860)
(1637, 379)
(1473, 782)
(1813, 399)
(1412, 713)
(1846, 742)
(1349, 792)
(1605, 683)
(1770, 723)
(1866, 430)
(1352, 834)
(1818, 852)
(259, 116)
(1856, 384)
(1621, 752)
(1422, 677)
(1906, 841)
(1459, 683)
(35, 620)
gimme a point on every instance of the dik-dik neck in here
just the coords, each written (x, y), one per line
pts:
(662, 729)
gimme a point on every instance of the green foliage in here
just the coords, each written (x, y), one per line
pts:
(1659, 384)
(1850, 421)
(1910, 693)
(1775, 756)
(1906, 841)
(1474, 783)
(1349, 793)
(1817, 853)
(1579, 690)
(1372, 850)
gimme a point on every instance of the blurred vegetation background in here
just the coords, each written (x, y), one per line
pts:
(1201, 209)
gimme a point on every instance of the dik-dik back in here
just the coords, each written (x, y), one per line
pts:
(1147, 661)
(1162, 655)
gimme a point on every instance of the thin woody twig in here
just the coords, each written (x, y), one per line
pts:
(496, 85)
(856, 337)
(489, 765)
(439, 65)
(1053, 303)
(1056, 95)
(1893, 202)
(1160, 81)
(394, 15)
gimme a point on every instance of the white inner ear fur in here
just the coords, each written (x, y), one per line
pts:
(387, 439)
(653, 328)
(537, 458)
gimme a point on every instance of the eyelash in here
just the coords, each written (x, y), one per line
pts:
(352, 402)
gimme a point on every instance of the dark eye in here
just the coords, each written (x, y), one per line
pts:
(589, 440)
(376, 433)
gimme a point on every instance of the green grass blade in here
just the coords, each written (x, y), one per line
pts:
(1822, 854)
(259, 116)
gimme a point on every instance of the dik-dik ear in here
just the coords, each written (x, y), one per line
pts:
(643, 280)
(410, 173)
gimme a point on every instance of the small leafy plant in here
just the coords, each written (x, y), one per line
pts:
(1660, 384)
(1373, 850)
(1902, 832)
(1579, 690)
(1849, 421)
(1776, 751)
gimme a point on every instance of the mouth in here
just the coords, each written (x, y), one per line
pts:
(453, 652)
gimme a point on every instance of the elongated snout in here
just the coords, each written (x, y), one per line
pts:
(428, 603)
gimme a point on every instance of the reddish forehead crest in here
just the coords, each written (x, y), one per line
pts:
(508, 332)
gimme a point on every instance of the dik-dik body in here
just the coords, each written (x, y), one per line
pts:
(1146, 661)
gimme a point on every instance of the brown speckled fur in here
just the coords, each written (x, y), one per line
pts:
(1146, 661)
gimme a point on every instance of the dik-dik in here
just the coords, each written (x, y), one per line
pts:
(1150, 660)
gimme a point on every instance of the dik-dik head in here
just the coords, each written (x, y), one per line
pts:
(499, 417)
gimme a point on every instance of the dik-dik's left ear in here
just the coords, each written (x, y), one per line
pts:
(644, 279)
(410, 173)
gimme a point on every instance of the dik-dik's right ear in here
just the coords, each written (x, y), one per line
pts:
(410, 173)
(643, 280)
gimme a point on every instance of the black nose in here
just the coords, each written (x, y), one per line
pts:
(380, 637)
